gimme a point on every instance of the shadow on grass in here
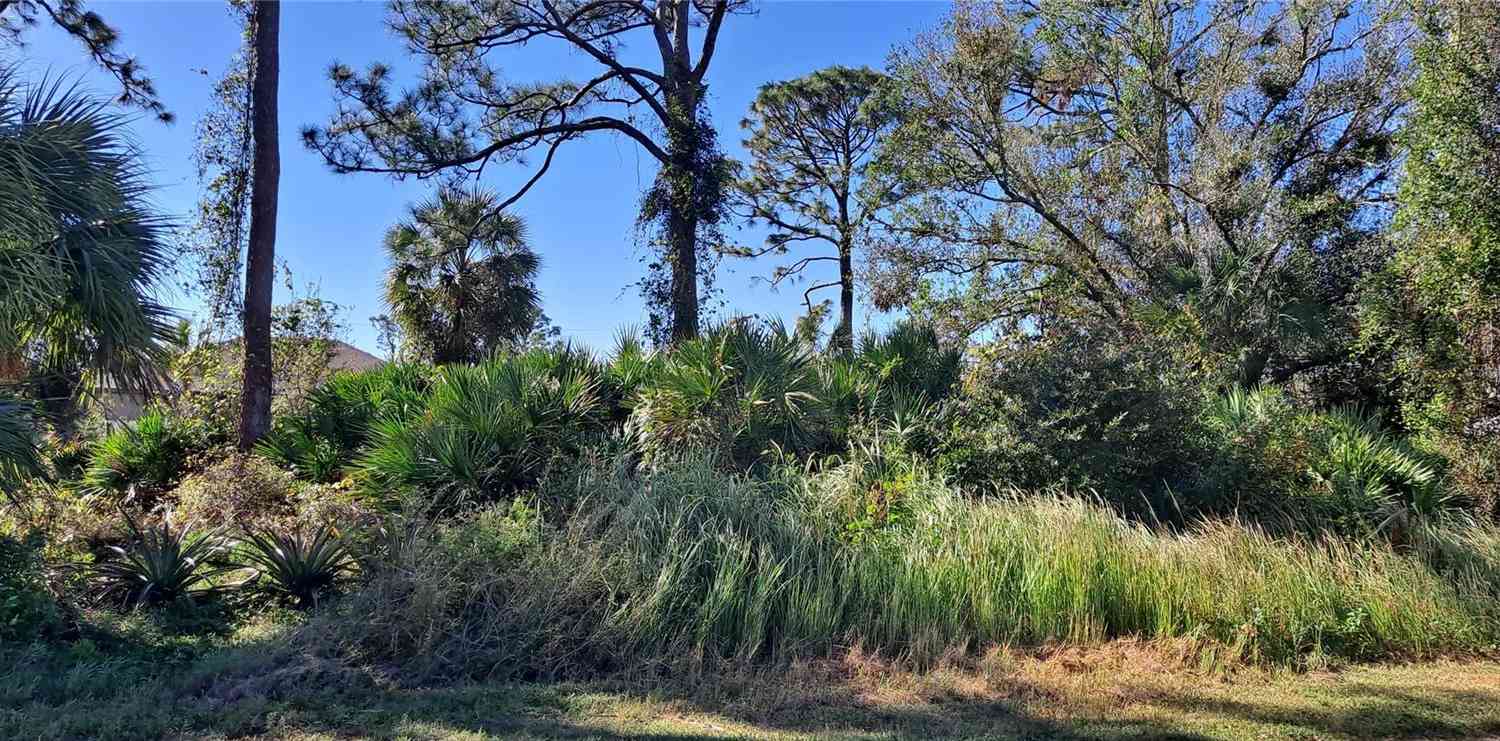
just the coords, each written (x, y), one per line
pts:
(581, 711)
(1321, 709)
(252, 693)
(1358, 709)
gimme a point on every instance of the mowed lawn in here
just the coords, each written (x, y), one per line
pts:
(1116, 692)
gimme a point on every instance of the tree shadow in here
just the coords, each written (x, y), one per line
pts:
(1353, 709)
(1361, 709)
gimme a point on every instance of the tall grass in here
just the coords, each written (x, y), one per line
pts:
(689, 564)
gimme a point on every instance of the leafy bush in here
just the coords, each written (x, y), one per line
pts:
(159, 565)
(145, 457)
(688, 564)
(237, 491)
(489, 429)
(318, 444)
(27, 609)
(1086, 408)
(298, 565)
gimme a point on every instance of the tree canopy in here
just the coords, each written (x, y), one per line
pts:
(462, 279)
(1194, 167)
(465, 115)
(812, 141)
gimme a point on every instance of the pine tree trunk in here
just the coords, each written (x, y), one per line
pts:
(684, 235)
(260, 265)
(683, 146)
(843, 335)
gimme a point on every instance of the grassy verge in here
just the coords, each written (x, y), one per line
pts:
(1118, 690)
(690, 567)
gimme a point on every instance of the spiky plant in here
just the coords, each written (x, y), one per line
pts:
(734, 390)
(488, 429)
(1376, 476)
(19, 456)
(160, 564)
(297, 565)
(322, 442)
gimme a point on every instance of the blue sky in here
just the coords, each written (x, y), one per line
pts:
(581, 215)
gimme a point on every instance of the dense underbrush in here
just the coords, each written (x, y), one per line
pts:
(687, 565)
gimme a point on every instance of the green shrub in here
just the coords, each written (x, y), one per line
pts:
(737, 390)
(237, 491)
(146, 457)
(1084, 408)
(898, 380)
(1372, 480)
(27, 609)
(1320, 470)
(488, 429)
(321, 442)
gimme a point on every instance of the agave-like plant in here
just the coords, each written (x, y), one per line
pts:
(159, 564)
(298, 565)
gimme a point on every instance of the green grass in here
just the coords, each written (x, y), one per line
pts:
(690, 602)
(690, 568)
(1117, 690)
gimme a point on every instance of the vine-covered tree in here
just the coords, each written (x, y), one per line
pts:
(462, 279)
(1435, 310)
(99, 39)
(812, 141)
(224, 154)
(260, 259)
(1191, 168)
(465, 115)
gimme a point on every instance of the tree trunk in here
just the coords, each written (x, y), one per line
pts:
(260, 264)
(683, 146)
(843, 335)
(684, 235)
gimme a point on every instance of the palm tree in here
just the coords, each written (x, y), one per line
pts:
(462, 278)
(82, 256)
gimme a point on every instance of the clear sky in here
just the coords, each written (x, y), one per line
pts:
(581, 215)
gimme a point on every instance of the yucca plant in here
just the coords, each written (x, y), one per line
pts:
(159, 564)
(297, 565)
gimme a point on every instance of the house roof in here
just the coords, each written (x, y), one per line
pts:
(345, 356)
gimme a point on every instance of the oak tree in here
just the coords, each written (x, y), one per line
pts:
(1189, 168)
